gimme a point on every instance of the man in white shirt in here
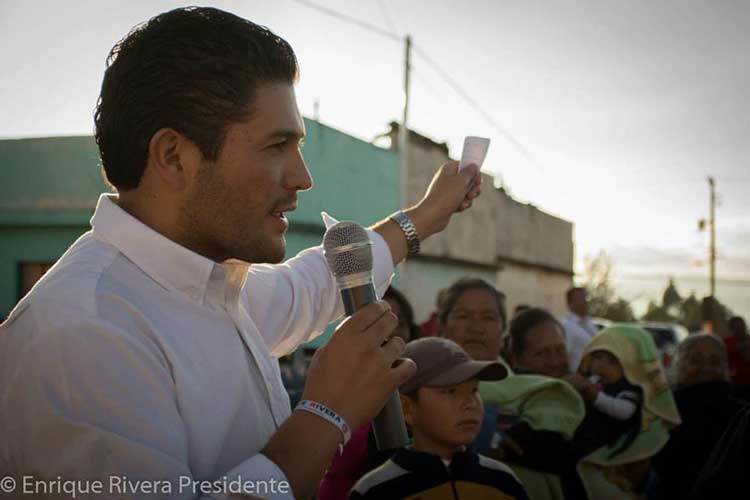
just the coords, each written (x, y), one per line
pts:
(579, 328)
(145, 361)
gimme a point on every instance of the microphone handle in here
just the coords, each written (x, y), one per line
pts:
(389, 427)
(357, 297)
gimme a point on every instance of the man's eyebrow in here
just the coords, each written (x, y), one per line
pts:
(286, 134)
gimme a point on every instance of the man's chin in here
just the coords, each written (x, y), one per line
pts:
(273, 253)
(269, 253)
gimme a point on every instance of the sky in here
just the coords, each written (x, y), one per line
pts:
(606, 113)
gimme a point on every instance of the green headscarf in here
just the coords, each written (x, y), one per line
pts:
(635, 350)
(546, 404)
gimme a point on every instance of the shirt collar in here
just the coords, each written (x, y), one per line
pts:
(171, 265)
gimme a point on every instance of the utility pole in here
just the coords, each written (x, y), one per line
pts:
(403, 131)
(712, 229)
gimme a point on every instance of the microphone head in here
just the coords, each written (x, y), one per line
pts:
(348, 250)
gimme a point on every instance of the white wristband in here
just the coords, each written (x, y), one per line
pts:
(331, 416)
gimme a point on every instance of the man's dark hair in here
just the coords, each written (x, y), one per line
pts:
(448, 297)
(522, 324)
(195, 70)
(572, 290)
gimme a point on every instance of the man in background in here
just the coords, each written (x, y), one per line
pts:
(579, 328)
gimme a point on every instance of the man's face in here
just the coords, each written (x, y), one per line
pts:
(234, 206)
(475, 324)
(579, 303)
(446, 417)
(544, 351)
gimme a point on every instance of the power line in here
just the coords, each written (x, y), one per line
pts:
(386, 16)
(440, 72)
(466, 97)
(351, 20)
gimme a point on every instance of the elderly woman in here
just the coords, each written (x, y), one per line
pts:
(702, 392)
(472, 313)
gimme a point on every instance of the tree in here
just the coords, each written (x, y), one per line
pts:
(655, 312)
(620, 311)
(603, 302)
(689, 312)
(670, 297)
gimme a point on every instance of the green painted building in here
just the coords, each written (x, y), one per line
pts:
(49, 188)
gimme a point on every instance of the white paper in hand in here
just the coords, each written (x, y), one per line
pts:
(475, 149)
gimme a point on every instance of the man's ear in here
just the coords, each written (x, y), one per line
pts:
(173, 157)
(408, 408)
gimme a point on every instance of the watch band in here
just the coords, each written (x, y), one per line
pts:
(410, 232)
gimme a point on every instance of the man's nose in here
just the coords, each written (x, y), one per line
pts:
(298, 176)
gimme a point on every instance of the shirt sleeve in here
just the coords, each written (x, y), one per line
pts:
(85, 399)
(621, 407)
(293, 302)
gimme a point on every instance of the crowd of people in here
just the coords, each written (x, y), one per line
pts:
(534, 406)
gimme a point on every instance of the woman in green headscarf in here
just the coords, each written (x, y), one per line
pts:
(618, 465)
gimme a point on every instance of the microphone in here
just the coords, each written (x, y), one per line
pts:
(348, 250)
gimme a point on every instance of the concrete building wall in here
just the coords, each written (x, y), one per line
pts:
(534, 287)
(471, 235)
(528, 235)
(525, 252)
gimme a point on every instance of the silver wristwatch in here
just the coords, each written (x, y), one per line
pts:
(407, 226)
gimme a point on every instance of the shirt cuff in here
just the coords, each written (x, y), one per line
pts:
(263, 478)
(382, 263)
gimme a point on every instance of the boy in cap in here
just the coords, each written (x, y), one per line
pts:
(443, 411)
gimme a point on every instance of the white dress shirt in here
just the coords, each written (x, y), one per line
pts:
(578, 332)
(136, 357)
